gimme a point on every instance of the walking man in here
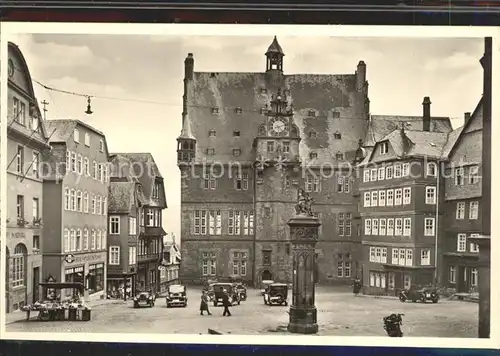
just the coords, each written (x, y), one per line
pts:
(204, 304)
(226, 303)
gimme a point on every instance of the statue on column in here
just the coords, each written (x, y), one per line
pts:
(304, 204)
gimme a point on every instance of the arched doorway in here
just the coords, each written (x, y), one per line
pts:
(266, 275)
(19, 270)
(7, 280)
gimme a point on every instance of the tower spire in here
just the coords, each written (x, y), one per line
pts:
(274, 56)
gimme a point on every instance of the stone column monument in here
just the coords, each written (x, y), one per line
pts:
(303, 235)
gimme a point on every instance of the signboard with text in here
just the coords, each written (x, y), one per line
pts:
(84, 258)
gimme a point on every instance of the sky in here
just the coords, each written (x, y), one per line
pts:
(146, 74)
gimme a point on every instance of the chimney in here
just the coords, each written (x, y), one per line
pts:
(189, 67)
(466, 117)
(360, 76)
(426, 119)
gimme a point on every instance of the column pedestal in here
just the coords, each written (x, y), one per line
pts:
(303, 320)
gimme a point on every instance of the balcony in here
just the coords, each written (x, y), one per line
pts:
(153, 231)
(149, 257)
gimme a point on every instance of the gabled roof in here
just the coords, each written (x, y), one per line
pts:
(65, 128)
(122, 196)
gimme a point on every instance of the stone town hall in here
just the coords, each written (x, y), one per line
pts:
(249, 141)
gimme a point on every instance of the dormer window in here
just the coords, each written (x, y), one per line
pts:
(311, 113)
(236, 133)
(312, 134)
(238, 111)
(215, 111)
(337, 135)
(236, 151)
(210, 151)
(263, 90)
(384, 148)
(313, 155)
(76, 135)
(212, 133)
(339, 156)
(335, 114)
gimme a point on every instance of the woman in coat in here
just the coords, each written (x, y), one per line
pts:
(204, 303)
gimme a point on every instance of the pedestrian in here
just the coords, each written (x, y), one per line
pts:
(204, 304)
(226, 303)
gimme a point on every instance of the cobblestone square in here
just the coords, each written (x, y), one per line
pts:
(339, 314)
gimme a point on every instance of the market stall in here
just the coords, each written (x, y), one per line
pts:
(59, 306)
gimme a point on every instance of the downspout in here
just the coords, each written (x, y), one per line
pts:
(254, 203)
(436, 241)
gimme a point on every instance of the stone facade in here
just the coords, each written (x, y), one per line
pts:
(27, 142)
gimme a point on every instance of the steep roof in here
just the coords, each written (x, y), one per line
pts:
(143, 168)
(121, 197)
(381, 125)
(64, 129)
(252, 92)
(275, 47)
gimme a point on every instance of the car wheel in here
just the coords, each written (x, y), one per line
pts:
(423, 299)
(265, 301)
(215, 303)
(435, 300)
(402, 298)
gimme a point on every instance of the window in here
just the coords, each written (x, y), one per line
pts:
(236, 133)
(36, 209)
(79, 201)
(93, 240)
(398, 197)
(339, 155)
(374, 199)
(366, 175)
(368, 227)
(430, 195)
(238, 111)
(248, 222)
(94, 169)
(406, 170)
(66, 241)
(35, 164)
(99, 205)
(286, 147)
(340, 184)
(381, 173)
(210, 182)
(214, 222)
(87, 140)
(431, 169)
(266, 258)
(348, 224)
(473, 246)
(377, 279)
(76, 136)
(460, 212)
(36, 243)
(99, 240)
(313, 155)
(390, 197)
(132, 225)
(114, 255)
(20, 209)
(93, 207)
(340, 224)
(473, 277)
(459, 176)
(215, 110)
(78, 240)
(73, 162)
(461, 243)
(429, 227)
(395, 256)
(20, 160)
(72, 240)
(209, 265)
(22, 113)
(407, 196)
(381, 197)
(474, 210)
(200, 222)
(312, 183)
(473, 174)
(239, 264)
(73, 200)
(378, 254)
(19, 265)
(389, 172)
(236, 151)
(367, 200)
(374, 226)
(409, 257)
(425, 257)
(340, 269)
(373, 174)
(114, 225)
(407, 281)
(85, 246)
(132, 255)
(270, 146)
(397, 171)
(398, 231)
(67, 198)
(101, 145)
(85, 202)
(407, 227)
(390, 227)
(384, 148)
(312, 134)
(452, 274)
(382, 227)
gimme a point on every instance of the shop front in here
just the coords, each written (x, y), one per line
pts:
(148, 276)
(460, 273)
(121, 286)
(87, 268)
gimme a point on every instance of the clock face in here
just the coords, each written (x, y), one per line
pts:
(279, 126)
(11, 68)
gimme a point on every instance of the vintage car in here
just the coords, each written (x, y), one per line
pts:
(218, 292)
(263, 285)
(176, 296)
(419, 294)
(276, 294)
(241, 290)
(144, 299)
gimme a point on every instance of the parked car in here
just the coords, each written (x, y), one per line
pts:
(177, 296)
(144, 299)
(276, 294)
(241, 290)
(218, 292)
(419, 294)
(264, 284)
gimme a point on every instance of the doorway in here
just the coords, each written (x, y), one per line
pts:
(36, 284)
(266, 275)
(463, 279)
